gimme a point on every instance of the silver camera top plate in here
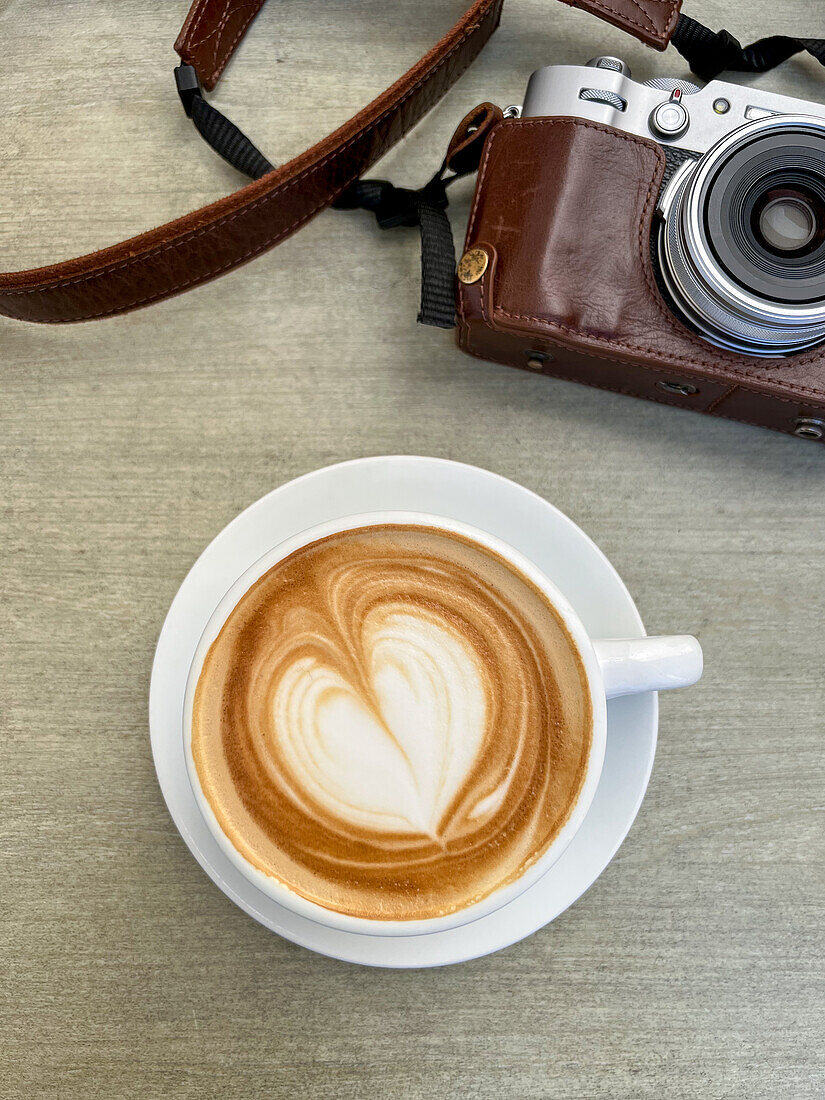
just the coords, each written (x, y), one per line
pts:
(669, 111)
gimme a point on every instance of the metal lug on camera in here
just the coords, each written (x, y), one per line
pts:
(809, 427)
(537, 360)
(680, 389)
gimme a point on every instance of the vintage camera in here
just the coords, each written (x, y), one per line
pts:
(739, 238)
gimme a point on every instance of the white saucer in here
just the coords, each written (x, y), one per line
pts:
(481, 499)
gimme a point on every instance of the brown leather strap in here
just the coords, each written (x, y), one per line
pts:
(651, 21)
(197, 247)
(212, 30)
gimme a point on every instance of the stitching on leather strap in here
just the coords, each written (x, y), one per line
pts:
(196, 25)
(626, 19)
(206, 276)
(228, 12)
(228, 218)
(193, 37)
(221, 65)
(216, 66)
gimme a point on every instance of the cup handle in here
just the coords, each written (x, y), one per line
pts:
(633, 665)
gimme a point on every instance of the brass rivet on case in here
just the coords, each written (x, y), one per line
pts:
(472, 265)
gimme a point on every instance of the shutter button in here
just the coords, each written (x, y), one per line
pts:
(669, 119)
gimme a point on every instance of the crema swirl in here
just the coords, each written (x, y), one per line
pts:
(393, 722)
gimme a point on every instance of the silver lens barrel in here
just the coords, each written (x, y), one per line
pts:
(722, 270)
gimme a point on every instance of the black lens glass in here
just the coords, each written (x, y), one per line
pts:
(788, 221)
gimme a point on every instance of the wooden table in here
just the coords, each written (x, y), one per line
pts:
(693, 968)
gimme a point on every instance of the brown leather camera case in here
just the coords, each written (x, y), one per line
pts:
(563, 209)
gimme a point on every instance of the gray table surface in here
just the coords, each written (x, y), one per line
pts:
(693, 968)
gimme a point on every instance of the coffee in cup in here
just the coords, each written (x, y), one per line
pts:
(392, 723)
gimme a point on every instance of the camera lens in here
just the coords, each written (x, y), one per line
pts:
(743, 241)
(764, 215)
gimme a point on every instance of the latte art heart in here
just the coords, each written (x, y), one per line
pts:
(393, 722)
(418, 722)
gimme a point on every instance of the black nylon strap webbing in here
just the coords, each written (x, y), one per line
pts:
(426, 208)
(437, 268)
(227, 140)
(710, 53)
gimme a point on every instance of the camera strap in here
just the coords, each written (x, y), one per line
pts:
(193, 249)
(710, 53)
(208, 242)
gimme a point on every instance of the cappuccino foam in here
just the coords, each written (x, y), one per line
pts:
(393, 722)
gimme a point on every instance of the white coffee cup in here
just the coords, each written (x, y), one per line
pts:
(614, 667)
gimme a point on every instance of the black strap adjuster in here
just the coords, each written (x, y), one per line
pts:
(189, 86)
